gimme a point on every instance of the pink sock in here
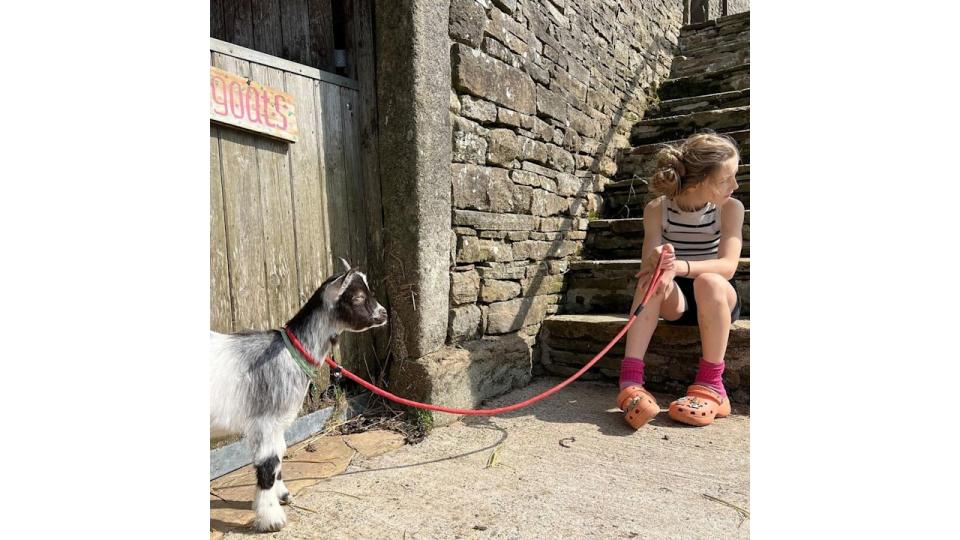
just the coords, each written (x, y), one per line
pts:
(711, 374)
(631, 372)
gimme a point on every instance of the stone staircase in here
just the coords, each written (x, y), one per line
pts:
(709, 87)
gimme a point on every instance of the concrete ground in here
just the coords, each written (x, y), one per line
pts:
(567, 466)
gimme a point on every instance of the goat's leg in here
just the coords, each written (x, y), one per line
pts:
(270, 516)
(279, 488)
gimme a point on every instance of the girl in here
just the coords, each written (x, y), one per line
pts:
(698, 226)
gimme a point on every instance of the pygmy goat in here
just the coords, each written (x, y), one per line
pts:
(256, 386)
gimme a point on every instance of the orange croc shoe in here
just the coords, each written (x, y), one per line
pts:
(638, 404)
(700, 406)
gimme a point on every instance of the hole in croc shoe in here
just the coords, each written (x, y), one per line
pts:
(703, 414)
(693, 413)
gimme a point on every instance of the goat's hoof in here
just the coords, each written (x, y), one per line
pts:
(271, 523)
(271, 517)
(286, 498)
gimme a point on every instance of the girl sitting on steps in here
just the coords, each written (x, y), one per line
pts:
(699, 227)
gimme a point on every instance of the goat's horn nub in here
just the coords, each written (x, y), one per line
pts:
(346, 265)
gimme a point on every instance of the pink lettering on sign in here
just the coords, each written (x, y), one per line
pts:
(236, 100)
(253, 112)
(265, 104)
(277, 102)
(218, 95)
(244, 103)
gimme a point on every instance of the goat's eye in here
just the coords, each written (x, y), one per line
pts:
(357, 300)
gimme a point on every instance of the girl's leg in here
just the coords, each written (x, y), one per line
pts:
(715, 299)
(668, 305)
(638, 405)
(707, 400)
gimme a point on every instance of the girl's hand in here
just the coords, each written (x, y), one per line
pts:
(669, 258)
(668, 270)
(665, 278)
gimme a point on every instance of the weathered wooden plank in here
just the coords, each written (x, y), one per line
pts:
(267, 31)
(238, 22)
(338, 197)
(308, 202)
(369, 163)
(242, 216)
(279, 249)
(366, 112)
(338, 209)
(216, 19)
(361, 345)
(321, 33)
(353, 184)
(221, 316)
(244, 53)
(352, 36)
(296, 40)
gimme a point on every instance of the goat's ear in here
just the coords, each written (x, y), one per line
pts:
(346, 265)
(335, 289)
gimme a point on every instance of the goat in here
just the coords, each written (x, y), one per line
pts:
(256, 386)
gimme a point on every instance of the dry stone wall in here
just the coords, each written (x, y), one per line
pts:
(715, 9)
(543, 94)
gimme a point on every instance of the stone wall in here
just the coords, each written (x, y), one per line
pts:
(543, 94)
(708, 10)
(733, 7)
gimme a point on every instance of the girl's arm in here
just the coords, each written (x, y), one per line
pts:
(650, 252)
(651, 229)
(652, 239)
(731, 242)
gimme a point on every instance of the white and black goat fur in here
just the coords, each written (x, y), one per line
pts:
(257, 388)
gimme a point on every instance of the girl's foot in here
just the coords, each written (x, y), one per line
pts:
(700, 406)
(638, 405)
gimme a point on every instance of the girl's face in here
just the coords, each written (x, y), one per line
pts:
(721, 186)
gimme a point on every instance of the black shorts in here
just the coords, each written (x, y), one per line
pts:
(689, 316)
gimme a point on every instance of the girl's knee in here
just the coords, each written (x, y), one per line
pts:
(710, 288)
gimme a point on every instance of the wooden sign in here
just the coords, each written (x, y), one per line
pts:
(240, 102)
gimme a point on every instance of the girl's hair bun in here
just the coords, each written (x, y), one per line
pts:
(668, 177)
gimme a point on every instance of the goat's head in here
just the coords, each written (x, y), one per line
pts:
(351, 302)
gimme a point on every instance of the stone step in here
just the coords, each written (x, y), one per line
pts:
(709, 60)
(640, 161)
(693, 37)
(607, 286)
(675, 107)
(684, 125)
(567, 342)
(710, 46)
(622, 238)
(724, 80)
(719, 22)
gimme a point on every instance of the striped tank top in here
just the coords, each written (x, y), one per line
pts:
(695, 235)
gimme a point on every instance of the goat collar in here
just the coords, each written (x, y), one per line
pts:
(297, 351)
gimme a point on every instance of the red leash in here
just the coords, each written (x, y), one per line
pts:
(486, 412)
